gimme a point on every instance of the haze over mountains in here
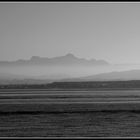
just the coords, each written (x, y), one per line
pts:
(67, 60)
(110, 76)
(60, 67)
(64, 68)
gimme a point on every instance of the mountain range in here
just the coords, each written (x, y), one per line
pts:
(66, 60)
(65, 68)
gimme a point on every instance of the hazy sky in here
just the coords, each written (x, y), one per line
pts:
(109, 31)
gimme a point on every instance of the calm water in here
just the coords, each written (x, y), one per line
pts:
(120, 123)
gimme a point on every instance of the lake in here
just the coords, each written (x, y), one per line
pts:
(44, 113)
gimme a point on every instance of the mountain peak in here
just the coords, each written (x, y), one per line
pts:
(35, 57)
(69, 55)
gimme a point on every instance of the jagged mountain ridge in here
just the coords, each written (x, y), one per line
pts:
(68, 59)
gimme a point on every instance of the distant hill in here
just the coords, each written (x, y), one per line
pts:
(111, 76)
(8, 78)
(67, 60)
(24, 81)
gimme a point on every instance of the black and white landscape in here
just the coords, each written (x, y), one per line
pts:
(69, 70)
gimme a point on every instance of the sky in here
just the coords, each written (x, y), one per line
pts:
(109, 31)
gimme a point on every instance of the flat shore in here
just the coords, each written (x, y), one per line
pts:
(68, 101)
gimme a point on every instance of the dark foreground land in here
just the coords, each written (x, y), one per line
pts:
(69, 113)
(88, 85)
(87, 124)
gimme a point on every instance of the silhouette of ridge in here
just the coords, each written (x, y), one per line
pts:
(68, 59)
